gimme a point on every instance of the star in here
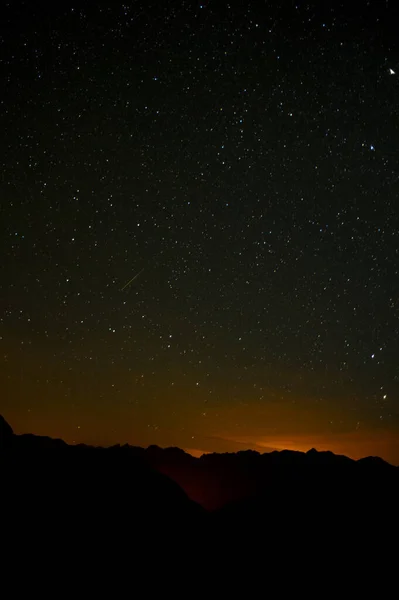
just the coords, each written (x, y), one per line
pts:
(120, 257)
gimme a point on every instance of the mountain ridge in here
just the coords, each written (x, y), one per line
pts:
(108, 506)
(215, 480)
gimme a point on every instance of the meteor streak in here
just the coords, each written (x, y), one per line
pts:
(132, 279)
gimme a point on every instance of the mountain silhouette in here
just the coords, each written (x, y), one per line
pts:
(216, 480)
(60, 501)
(85, 502)
(6, 434)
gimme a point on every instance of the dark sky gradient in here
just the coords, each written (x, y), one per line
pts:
(243, 159)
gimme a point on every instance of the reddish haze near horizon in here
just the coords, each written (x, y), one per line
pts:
(200, 224)
(240, 429)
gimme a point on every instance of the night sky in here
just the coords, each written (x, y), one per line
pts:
(199, 224)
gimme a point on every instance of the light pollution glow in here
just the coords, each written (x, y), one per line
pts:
(261, 428)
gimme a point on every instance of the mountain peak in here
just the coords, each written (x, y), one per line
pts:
(6, 433)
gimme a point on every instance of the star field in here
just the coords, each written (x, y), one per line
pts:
(239, 163)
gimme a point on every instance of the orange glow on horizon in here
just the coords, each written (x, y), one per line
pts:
(356, 445)
(196, 452)
(224, 427)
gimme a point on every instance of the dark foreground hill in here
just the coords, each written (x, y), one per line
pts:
(106, 504)
(86, 490)
(286, 500)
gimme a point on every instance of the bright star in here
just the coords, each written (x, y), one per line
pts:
(392, 72)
